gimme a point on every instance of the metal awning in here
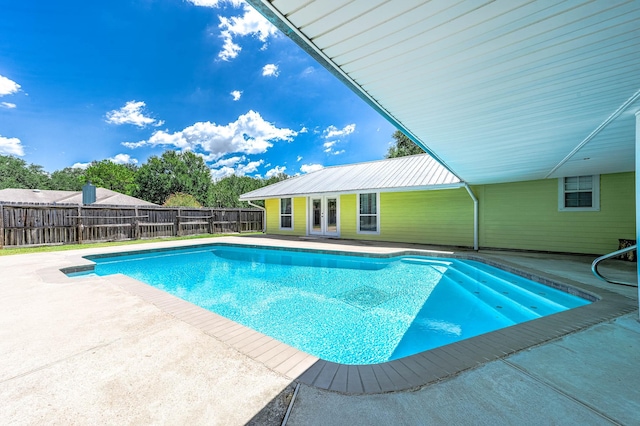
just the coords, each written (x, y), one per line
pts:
(498, 91)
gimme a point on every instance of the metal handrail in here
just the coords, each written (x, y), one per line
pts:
(594, 265)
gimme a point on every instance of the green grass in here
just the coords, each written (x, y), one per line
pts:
(8, 251)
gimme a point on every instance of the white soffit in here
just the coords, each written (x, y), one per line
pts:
(498, 90)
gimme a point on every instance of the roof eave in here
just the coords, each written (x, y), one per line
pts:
(282, 23)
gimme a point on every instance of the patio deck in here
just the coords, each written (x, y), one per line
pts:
(112, 349)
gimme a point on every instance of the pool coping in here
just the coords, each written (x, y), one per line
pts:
(409, 373)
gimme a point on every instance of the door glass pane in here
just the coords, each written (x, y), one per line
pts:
(332, 215)
(316, 212)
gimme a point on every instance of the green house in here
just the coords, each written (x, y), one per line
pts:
(535, 105)
(416, 200)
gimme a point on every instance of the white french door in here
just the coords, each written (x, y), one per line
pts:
(324, 215)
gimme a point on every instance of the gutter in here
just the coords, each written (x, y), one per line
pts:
(475, 215)
(264, 215)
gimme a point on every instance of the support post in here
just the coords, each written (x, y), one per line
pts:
(177, 224)
(1, 227)
(136, 224)
(239, 225)
(210, 221)
(80, 226)
(638, 194)
(475, 215)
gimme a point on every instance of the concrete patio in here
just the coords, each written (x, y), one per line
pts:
(89, 350)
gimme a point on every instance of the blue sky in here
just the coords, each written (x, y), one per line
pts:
(123, 80)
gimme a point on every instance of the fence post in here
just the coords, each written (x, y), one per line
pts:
(80, 225)
(136, 224)
(1, 226)
(210, 221)
(239, 221)
(177, 224)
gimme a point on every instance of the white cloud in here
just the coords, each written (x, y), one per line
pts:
(303, 130)
(249, 134)
(7, 86)
(328, 146)
(334, 132)
(229, 49)
(11, 146)
(275, 171)
(133, 145)
(250, 23)
(308, 168)
(270, 70)
(228, 162)
(298, 158)
(215, 3)
(250, 167)
(117, 159)
(236, 95)
(7, 105)
(222, 172)
(131, 113)
(123, 159)
(239, 170)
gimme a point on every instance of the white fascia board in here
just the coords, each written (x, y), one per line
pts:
(358, 191)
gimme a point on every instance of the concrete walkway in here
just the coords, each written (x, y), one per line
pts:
(79, 352)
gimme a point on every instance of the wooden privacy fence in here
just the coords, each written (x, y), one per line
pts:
(45, 224)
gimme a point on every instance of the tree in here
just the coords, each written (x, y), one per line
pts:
(107, 174)
(67, 179)
(180, 199)
(275, 179)
(226, 192)
(173, 172)
(16, 173)
(403, 146)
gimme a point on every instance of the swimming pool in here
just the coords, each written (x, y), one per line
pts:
(345, 308)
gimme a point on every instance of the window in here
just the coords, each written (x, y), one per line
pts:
(579, 193)
(286, 213)
(368, 213)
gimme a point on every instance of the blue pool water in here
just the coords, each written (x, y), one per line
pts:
(345, 309)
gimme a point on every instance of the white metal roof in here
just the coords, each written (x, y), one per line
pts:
(405, 173)
(498, 91)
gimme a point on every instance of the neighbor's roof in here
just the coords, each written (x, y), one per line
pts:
(404, 173)
(103, 197)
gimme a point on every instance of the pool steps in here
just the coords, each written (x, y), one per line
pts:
(510, 305)
(491, 298)
(511, 288)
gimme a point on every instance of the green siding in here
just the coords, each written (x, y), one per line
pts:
(427, 217)
(524, 215)
(518, 215)
(299, 217)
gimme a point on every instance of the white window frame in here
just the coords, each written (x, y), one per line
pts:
(280, 214)
(595, 195)
(377, 231)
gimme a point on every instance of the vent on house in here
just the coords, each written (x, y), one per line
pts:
(88, 193)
